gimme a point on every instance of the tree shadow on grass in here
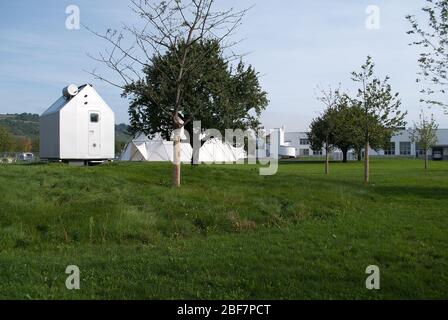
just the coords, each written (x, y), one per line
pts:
(431, 192)
(313, 162)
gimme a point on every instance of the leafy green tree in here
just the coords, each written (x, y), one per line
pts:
(321, 136)
(424, 133)
(323, 128)
(433, 40)
(347, 132)
(169, 29)
(381, 114)
(214, 93)
(35, 142)
(5, 140)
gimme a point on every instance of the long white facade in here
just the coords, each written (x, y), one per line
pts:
(400, 145)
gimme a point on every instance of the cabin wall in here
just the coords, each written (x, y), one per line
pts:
(75, 120)
(68, 129)
(49, 136)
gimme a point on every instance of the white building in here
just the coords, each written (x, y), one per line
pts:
(286, 150)
(79, 126)
(400, 145)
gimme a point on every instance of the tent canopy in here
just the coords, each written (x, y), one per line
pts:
(143, 148)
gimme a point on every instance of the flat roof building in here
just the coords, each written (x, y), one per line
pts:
(400, 146)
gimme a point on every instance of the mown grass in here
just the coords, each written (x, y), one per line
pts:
(228, 233)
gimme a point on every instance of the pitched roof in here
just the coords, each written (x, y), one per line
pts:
(61, 102)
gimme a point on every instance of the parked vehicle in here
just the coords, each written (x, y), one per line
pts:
(25, 156)
(437, 155)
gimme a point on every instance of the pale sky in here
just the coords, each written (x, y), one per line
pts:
(294, 44)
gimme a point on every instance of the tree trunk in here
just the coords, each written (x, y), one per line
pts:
(366, 164)
(345, 155)
(426, 160)
(176, 160)
(359, 155)
(327, 161)
(195, 156)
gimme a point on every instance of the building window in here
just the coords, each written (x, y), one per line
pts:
(420, 150)
(94, 117)
(304, 152)
(304, 142)
(390, 151)
(318, 153)
(405, 148)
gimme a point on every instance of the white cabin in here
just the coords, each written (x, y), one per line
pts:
(79, 126)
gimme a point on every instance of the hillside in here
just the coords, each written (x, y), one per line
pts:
(27, 125)
(24, 124)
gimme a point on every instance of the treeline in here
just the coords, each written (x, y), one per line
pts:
(12, 144)
(361, 121)
(24, 124)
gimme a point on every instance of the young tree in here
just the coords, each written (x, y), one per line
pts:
(322, 133)
(36, 144)
(424, 134)
(381, 115)
(177, 26)
(346, 131)
(26, 144)
(5, 140)
(433, 40)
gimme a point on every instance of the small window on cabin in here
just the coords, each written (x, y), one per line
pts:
(94, 117)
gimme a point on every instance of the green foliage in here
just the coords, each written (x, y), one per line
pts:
(425, 132)
(5, 140)
(382, 116)
(322, 131)
(24, 125)
(135, 237)
(433, 41)
(213, 92)
(322, 128)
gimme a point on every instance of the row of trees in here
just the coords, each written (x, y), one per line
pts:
(360, 122)
(11, 144)
(372, 116)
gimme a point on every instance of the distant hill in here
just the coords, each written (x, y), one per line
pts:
(26, 125)
(22, 125)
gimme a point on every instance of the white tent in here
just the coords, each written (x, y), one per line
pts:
(215, 151)
(154, 150)
(158, 150)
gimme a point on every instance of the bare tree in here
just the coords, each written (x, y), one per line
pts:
(171, 25)
(424, 134)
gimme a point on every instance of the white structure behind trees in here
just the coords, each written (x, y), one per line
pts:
(400, 146)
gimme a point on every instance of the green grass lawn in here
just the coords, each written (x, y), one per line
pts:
(228, 233)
